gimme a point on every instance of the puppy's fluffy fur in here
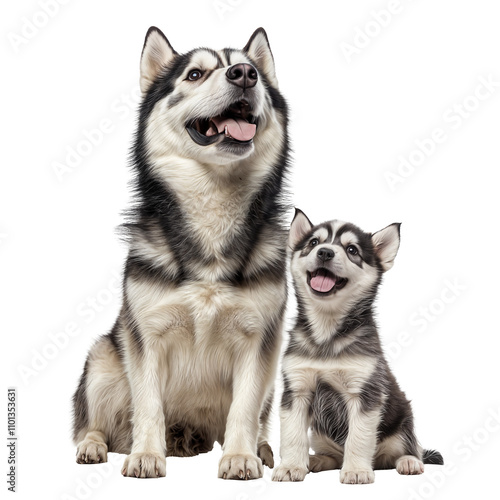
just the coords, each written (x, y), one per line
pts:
(336, 379)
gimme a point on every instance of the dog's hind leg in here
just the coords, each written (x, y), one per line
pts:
(101, 405)
(264, 450)
(185, 441)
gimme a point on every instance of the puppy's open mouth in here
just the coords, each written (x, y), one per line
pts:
(236, 124)
(324, 282)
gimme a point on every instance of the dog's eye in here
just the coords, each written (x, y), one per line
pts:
(194, 74)
(314, 242)
(352, 250)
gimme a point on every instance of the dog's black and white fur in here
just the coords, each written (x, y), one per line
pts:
(336, 379)
(192, 357)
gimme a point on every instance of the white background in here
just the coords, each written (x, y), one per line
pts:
(351, 120)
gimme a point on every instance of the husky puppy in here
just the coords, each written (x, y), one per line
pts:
(336, 379)
(192, 357)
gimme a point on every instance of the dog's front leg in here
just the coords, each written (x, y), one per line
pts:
(147, 458)
(360, 445)
(251, 378)
(294, 446)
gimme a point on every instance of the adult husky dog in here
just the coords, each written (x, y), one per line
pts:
(192, 356)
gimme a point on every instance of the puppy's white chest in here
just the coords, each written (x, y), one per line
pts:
(346, 374)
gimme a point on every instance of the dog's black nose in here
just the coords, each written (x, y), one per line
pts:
(325, 254)
(243, 75)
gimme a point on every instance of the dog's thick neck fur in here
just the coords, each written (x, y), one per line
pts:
(321, 332)
(182, 204)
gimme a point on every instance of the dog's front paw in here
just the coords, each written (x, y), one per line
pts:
(144, 465)
(289, 473)
(89, 451)
(409, 465)
(357, 476)
(244, 466)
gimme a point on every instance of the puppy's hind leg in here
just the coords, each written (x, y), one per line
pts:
(318, 463)
(328, 455)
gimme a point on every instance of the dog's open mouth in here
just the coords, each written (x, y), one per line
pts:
(323, 282)
(236, 123)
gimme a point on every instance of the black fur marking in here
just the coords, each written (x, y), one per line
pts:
(130, 324)
(272, 271)
(330, 414)
(227, 54)
(287, 396)
(144, 269)
(365, 243)
(80, 405)
(372, 393)
(184, 441)
(271, 333)
(115, 339)
(359, 325)
(432, 457)
(265, 413)
(174, 100)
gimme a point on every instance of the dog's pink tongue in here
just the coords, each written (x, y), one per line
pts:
(322, 282)
(238, 128)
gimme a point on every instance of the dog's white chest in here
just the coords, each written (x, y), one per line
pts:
(346, 374)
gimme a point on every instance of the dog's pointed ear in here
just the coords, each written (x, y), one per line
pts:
(300, 226)
(386, 244)
(156, 54)
(259, 50)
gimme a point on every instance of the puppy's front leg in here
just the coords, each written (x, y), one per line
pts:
(147, 458)
(294, 446)
(360, 445)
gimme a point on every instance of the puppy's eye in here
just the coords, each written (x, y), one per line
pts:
(314, 242)
(194, 74)
(352, 250)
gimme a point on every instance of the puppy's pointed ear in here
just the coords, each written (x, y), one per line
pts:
(386, 244)
(259, 51)
(300, 226)
(156, 54)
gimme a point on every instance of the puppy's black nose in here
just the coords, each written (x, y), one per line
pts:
(243, 75)
(325, 254)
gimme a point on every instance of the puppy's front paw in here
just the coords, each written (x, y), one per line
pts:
(144, 465)
(357, 476)
(244, 466)
(289, 473)
(91, 452)
(409, 465)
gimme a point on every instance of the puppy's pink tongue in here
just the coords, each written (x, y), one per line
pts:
(238, 128)
(322, 282)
